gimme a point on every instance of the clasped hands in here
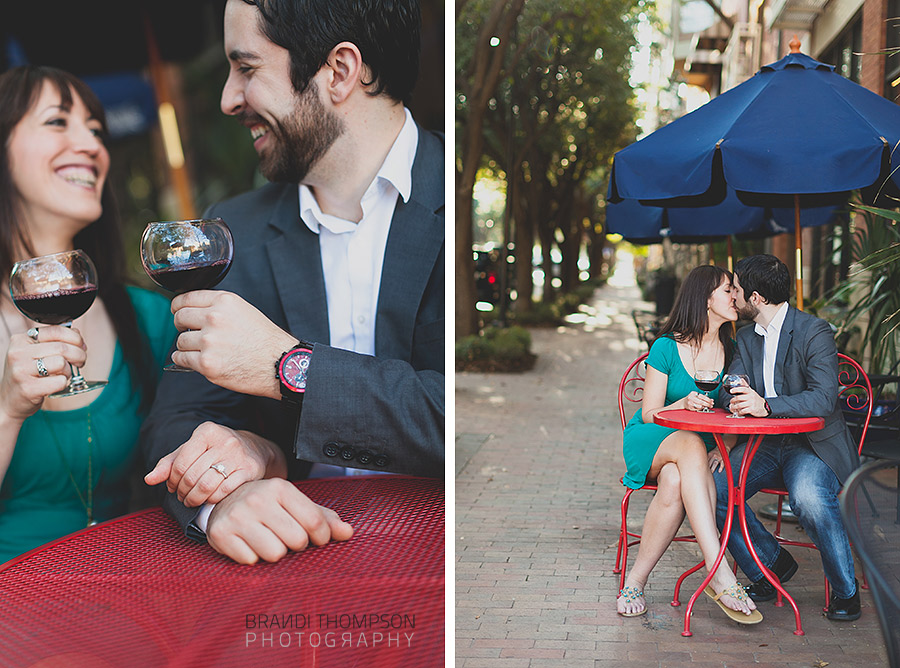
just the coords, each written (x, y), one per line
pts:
(258, 513)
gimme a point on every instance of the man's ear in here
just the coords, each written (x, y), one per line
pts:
(345, 71)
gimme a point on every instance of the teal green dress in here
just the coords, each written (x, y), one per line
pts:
(641, 441)
(38, 500)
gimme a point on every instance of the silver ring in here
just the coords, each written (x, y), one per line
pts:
(220, 468)
(42, 370)
(33, 334)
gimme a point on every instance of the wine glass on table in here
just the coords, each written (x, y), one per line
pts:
(54, 290)
(706, 381)
(185, 255)
(732, 381)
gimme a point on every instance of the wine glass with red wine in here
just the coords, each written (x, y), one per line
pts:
(706, 381)
(732, 381)
(185, 255)
(54, 290)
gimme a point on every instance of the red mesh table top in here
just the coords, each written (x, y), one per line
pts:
(135, 592)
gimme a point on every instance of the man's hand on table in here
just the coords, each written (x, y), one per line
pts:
(263, 519)
(745, 401)
(241, 455)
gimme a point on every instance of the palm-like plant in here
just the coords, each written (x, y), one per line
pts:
(872, 288)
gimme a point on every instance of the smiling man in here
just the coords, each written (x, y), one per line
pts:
(325, 344)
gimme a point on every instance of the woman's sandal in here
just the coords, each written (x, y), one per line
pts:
(735, 591)
(632, 594)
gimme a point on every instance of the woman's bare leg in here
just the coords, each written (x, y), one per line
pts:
(664, 516)
(688, 452)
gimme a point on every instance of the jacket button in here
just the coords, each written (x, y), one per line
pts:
(347, 453)
(331, 449)
(364, 457)
(381, 460)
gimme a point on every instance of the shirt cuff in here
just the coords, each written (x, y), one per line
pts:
(202, 518)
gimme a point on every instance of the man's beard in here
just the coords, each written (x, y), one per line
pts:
(748, 312)
(301, 139)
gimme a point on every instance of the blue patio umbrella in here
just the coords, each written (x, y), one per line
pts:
(645, 223)
(795, 133)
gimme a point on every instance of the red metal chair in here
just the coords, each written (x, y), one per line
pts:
(631, 390)
(855, 396)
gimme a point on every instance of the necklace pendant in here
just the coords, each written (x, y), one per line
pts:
(92, 523)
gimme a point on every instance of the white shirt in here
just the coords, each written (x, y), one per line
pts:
(353, 253)
(771, 334)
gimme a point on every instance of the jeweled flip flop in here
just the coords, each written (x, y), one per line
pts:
(735, 591)
(631, 594)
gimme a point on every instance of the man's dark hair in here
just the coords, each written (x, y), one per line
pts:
(386, 32)
(766, 275)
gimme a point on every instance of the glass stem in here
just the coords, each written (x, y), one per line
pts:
(77, 380)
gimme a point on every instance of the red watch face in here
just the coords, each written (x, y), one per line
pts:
(294, 368)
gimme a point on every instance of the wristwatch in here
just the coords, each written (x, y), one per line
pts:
(768, 408)
(291, 369)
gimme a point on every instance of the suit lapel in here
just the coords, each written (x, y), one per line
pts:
(784, 343)
(414, 242)
(297, 267)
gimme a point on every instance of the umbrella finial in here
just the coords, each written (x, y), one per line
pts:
(795, 44)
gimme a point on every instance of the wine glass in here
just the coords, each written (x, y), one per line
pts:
(185, 255)
(54, 290)
(730, 382)
(706, 381)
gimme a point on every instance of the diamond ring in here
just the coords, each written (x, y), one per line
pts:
(220, 468)
(33, 334)
(42, 370)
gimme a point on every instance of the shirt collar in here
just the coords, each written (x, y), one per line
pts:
(396, 170)
(776, 324)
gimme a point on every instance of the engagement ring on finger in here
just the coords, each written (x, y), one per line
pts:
(220, 468)
(33, 334)
(42, 370)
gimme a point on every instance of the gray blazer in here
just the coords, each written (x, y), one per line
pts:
(806, 381)
(385, 412)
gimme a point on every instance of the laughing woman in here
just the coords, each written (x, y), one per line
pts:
(65, 462)
(697, 335)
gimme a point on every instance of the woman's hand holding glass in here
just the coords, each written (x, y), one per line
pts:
(23, 387)
(706, 381)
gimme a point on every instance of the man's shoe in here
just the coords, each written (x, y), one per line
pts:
(844, 609)
(784, 567)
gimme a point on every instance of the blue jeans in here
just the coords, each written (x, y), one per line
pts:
(812, 487)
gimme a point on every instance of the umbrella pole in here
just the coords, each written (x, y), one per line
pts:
(799, 253)
(730, 255)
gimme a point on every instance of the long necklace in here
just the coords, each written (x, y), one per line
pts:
(87, 498)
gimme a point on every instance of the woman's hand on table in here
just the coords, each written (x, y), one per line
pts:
(214, 462)
(696, 401)
(264, 519)
(24, 385)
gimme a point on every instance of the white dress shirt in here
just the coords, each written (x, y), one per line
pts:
(771, 334)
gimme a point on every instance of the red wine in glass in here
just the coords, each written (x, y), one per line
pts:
(185, 255)
(706, 381)
(54, 290)
(57, 307)
(732, 381)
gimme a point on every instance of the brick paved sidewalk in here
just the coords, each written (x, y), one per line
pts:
(538, 461)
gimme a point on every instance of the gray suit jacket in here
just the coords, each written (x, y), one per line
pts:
(384, 412)
(806, 382)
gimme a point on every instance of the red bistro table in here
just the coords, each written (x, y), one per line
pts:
(135, 592)
(718, 423)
